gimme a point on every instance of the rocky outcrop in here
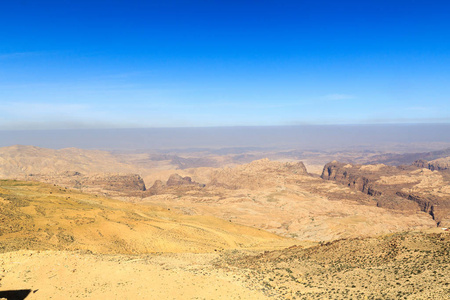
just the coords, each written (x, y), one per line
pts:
(438, 209)
(441, 164)
(175, 183)
(177, 180)
(296, 168)
(116, 182)
(420, 163)
(157, 187)
(346, 174)
(425, 204)
(401, 188)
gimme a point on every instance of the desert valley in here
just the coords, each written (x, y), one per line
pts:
(224, 224)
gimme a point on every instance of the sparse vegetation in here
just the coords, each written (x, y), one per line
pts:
(411, 265)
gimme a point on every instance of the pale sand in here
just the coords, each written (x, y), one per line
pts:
(70, 275)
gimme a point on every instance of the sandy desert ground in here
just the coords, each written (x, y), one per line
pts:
(72, 275)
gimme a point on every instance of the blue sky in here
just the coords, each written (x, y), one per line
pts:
(126, 64)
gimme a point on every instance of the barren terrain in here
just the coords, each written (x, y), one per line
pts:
(420, 186)
(40, 216)
(408, 265)
(226, 224)
(284, 199)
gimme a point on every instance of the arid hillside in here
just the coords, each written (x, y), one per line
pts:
(40, 216)
(440, 164)
(282, 198)
(413, 265)
(406, 188)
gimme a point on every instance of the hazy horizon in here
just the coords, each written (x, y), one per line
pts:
(311, 137)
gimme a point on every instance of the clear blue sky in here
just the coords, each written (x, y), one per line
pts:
(122, 64)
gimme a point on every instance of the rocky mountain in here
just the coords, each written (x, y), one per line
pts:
(406, 188)
(284, 199)
(175, 184)
(280, 197)
(177, 180)
(440, 164)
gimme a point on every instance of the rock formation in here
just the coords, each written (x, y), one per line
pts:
(116, 182)
(177, 180)
(403, 187)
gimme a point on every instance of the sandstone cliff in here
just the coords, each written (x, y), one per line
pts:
(440, 164)
(403, 187)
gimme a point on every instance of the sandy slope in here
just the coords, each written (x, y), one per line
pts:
(70, 275)
(43, 217)
(411, 265)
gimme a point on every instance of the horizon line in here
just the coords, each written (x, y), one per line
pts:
(231, 126)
